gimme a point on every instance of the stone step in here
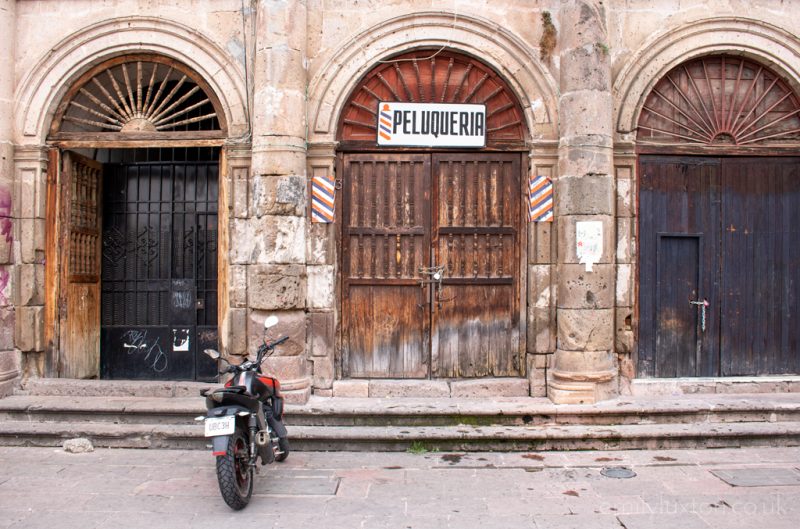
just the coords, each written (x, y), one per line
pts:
(654, 387)
(418, 412)
(421, 439)
(110, 388)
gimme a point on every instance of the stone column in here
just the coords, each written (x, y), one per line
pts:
(270, 240)
(584, 368)
(9, 358)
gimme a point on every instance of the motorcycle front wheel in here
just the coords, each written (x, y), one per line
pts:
(234, 473)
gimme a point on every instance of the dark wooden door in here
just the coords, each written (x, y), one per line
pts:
(722, 231)
(679, 248)
(407, 217)
(476, 225)
(159, 277)
(760, 291)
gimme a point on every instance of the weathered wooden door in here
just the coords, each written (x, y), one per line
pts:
(678, 241)
(760, 255)
(719, 266)
(159, 281)
(476, 225)
(431, 265)
(79, 293)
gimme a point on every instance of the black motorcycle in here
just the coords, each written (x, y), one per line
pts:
(245, 423)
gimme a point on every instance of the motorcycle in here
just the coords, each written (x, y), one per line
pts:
(245, 422)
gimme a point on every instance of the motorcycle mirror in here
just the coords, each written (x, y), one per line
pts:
(212, 353)
(271, 321)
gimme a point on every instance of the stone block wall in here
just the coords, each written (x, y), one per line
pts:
(283, 68)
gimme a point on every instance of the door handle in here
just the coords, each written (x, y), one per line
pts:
(701, 304)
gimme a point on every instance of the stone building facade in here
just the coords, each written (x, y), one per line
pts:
(281, 78)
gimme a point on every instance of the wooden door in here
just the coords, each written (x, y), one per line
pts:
(79, 292)
(679, 249)
(725, 231)
(407, 217)
(476, 224)
(385, 242)
(760, 255)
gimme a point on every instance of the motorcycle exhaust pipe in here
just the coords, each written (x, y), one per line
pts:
(262, 438)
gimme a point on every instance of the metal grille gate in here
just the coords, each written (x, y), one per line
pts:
(159, 266)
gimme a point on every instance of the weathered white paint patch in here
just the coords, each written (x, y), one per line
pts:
(623, 288)
(320, 286)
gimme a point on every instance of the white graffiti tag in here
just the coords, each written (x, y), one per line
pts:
(154, 357)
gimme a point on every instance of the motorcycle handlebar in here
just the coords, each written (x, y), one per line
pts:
(278, 342)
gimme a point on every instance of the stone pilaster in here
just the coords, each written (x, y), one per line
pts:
(321, 259)
(9, 358)
(583, 369)
(268, 236)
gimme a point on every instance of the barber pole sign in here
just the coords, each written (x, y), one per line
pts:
(323, 195)
(540, 195)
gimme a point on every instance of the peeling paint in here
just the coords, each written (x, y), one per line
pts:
(5, 277)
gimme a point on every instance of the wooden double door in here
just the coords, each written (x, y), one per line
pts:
(720, 266)
(430, 265)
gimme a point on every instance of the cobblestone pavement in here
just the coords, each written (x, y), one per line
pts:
(682, 489)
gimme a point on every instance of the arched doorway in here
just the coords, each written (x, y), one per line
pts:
(719, 196)
(132, 223)
(431, 240)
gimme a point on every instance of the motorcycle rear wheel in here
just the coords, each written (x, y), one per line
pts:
(283, 446)
(234, 473)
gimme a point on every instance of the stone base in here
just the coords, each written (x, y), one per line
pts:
(581, 388)
(572, 392)
(297, 396)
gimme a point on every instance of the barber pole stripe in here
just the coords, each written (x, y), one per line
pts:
(385, 123)
(323, 195)
(540, 194)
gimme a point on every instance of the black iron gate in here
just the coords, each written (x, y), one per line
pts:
(159, 271)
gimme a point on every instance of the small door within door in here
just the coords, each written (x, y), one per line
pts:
(159, 301)
(430, 261)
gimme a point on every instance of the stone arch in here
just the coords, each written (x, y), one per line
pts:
(43, 88)
(500, 49)
(764, 43)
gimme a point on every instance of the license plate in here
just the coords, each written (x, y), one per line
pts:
(220, 426)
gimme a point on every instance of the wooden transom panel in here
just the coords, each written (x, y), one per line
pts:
(424, 76)
(721, 100)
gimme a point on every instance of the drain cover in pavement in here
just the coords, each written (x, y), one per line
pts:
(618, 472)
(758, 477)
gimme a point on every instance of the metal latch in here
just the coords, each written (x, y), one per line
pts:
(702, 304)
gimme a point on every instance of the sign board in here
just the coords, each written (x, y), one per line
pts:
(589, 242)
(431, 125)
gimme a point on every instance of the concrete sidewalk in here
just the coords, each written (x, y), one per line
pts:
(686, 489)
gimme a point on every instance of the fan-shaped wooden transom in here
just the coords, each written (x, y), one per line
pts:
(721, 100)
(141, 94)
(424, 76)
